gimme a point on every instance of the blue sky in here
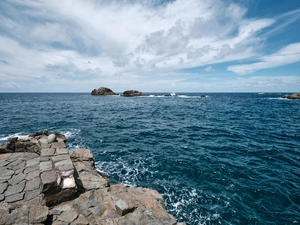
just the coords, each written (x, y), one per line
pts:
(151, 46)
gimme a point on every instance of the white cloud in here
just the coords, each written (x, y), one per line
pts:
(208, 69)
(287, 55)
(128, 42)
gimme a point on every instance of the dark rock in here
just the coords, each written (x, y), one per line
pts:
(133, 93)
(12, 139)
(103, 91)
(293, 96)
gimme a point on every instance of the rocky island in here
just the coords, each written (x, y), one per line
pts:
(42, 182)
(293, 96)
(103, 91)
(133, 93)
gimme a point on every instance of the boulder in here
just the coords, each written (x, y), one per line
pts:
(103, 91)
(133, 93)
(51, 138)
(293, 96)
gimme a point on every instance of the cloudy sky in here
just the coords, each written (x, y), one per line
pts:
(150, 45)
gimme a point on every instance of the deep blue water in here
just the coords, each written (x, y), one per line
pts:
(224, 159)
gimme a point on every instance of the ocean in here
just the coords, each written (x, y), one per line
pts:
(229, 158)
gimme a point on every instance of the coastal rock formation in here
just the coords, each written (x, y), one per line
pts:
(293, 96)
(133, 93)
(103, 91)
(55, 186)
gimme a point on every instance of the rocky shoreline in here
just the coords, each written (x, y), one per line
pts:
(43, 183)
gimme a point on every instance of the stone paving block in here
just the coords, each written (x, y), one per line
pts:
(17, 179)
(31, 194)
(20, 165)
(49, 178)
(32, 175)
(14, 197)
(1, 198)
(33, 184)
(5, 156)
(44, 158)
(16, 164)
(15, 155)
(19, 170)
(3, 162)
(58, 145)
(11, 190)
(68, 216)
(3, 187)
(31, 168)
(47, 151)
(44, 145)
(60, 151)
(44, 166)
(58, 158)
(33, 161)
(7, 172)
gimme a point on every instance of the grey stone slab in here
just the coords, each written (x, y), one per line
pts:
(3, 187)
(60, 151)
(33, 184)
(47, 151)
(19, 171)
(64, 165)
(31, 194)
(31, 168)
(58, 145)
(1, 197)
(20, 165)
(30, 155)
(44, 166)
(58, 158)
(4, 178)
(33, 161)
(16, 164)
(15, 189)
(14, 197)
(45, 145)
(68, 216)
(32, 175)
(48, 177)
(17, 178)
(13, 156)
(3, 163)
(7, 172)
(44, 158)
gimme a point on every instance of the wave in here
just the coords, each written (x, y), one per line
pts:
(19, 135)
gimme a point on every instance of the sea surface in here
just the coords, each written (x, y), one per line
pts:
(229, 158)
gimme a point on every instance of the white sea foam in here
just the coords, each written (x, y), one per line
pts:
(19, 135)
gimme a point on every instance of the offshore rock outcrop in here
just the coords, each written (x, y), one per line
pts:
(42, 182)
(133, 93)
(293, 96)
(103, 91)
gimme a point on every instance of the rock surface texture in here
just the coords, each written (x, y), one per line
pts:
(51, 185)
(133, 93)
(103, 91)
(293, 96)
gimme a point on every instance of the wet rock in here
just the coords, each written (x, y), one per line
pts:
(103, 91)
(133, 93)
(293, 96)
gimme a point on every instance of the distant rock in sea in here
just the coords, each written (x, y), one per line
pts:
(292, 96)
(133, 93)
(103, 91)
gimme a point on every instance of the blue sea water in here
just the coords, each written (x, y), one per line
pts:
(230, 158)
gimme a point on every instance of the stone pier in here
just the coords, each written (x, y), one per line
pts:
(42, 182)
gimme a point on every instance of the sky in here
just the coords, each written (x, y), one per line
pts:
(150, 45)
